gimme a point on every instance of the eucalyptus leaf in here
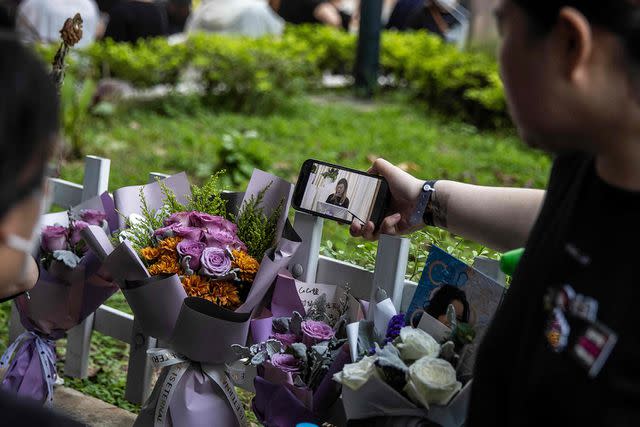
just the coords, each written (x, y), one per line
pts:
(273, 347)
(259, 358)
(298, 382)
(389, 357)
(320, 349)
(299, 351)
(69, 259)
(241, 351)
(295, 324)
(281, 325)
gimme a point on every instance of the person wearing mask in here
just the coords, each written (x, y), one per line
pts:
(570, 71)
(28, 133)
(339, 198)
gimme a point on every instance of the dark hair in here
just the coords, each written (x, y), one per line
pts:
(28, 121)
(444, 296)
(621, 17)
(345, 183)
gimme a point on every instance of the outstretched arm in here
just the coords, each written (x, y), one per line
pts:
(500, 218)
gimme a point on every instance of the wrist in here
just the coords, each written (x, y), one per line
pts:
(428, 194)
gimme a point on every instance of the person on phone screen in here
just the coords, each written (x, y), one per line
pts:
(572, 83)
(339, 198)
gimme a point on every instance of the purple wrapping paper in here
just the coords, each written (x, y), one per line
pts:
(285, 298)
(167, 293)
(197, 329)
(377, 399)
(25, 375)
(61, 299)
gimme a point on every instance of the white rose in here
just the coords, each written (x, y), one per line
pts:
(355, 375)
(416, 343)
(432, 381)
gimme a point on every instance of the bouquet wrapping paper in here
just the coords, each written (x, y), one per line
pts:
(61, 299)
(198, 332)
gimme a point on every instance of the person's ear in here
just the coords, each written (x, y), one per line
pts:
(573, 45)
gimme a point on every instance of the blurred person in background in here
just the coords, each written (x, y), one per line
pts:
(132, 20)
(253, 18)
(41, 20)
(327, 12)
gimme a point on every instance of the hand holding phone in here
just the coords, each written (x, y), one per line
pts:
(341, 194)
(404, 190)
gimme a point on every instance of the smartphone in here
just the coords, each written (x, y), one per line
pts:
(341, 194)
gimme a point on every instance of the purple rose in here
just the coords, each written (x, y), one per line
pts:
(212, 222)
(182, 218)
(223, 238)
(286, 363)
(285, 339)
(192, 249)
(314, 332)
(75, 237)
(189, 233)
(92, 216)
(54, 238)
(173, 230)
(215, 262)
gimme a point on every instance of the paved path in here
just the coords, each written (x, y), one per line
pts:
(89, 410)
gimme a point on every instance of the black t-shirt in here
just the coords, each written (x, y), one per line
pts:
(421, 18)
(299, 11)
(133, 20)
(335, 201)
(582, 239)
(18, 412)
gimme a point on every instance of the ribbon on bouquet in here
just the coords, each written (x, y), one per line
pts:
(178, 365)
(18, 353)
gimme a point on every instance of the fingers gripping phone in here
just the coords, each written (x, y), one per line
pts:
(341, 194)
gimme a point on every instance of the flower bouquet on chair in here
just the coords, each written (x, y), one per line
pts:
(71, 286)
(194, 262)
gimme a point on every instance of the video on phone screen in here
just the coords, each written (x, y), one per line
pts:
(340, 194)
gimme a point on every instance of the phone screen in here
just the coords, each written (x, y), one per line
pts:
(339, 193)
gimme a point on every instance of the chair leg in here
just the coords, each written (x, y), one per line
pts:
(140, 372)
(78, 349)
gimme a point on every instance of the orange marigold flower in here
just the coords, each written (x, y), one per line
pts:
(195, 285)
(168, 245)
(166, 265)
(246, 263)
(150, 254)
(224, 294)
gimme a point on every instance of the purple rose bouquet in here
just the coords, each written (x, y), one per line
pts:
(69, 289)
(296, 364)
(194, 262)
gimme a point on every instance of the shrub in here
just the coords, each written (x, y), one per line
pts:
(260, 75)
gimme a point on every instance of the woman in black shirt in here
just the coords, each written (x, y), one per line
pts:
(563, 348)
(339, 198)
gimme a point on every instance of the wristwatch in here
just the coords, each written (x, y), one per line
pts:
(422, 212)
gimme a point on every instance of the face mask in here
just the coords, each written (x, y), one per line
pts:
(27, 246)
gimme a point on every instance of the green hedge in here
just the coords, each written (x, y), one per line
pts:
(259, 75)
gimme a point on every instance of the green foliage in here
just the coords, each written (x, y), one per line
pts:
(208, 197)
(262, 75)
(170, 201)
(147, 63)
(76, 99)
(140, 234)
(255, 228)
(239, 154)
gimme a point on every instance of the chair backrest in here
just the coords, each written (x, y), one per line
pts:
(95, 182)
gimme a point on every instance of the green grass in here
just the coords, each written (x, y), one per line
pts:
(177, 135)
